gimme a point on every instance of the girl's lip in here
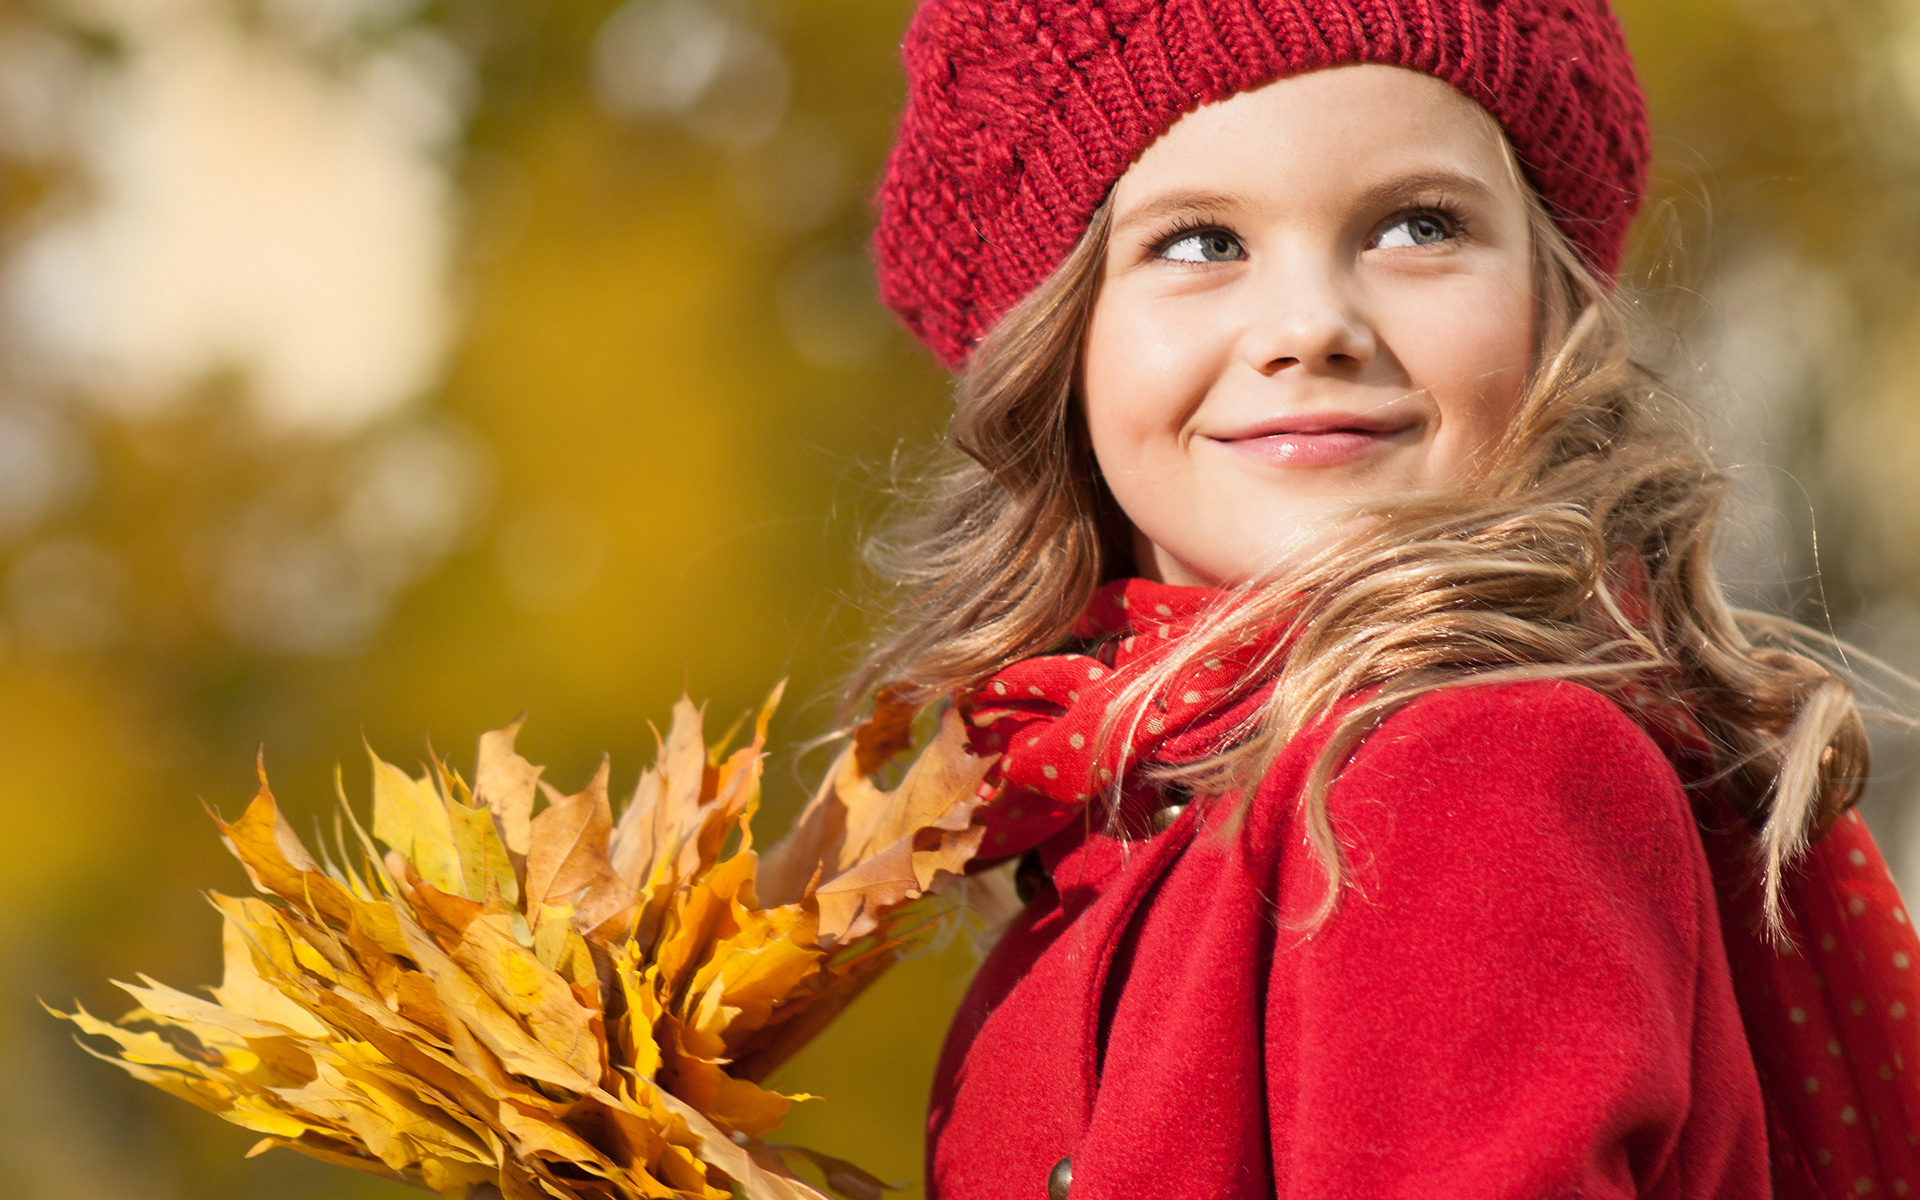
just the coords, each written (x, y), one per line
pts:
(1322, 439)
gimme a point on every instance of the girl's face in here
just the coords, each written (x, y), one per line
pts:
(1317, 294)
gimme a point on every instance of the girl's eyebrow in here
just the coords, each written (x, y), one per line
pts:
(1179, 204)
(1401, 189)
(1408, 188)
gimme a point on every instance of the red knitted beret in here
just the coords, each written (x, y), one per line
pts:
(1021, 114)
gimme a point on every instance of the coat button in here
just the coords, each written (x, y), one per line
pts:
(1060, 1179)
(1174, 799)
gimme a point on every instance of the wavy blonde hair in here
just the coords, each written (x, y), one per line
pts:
(1600, 497)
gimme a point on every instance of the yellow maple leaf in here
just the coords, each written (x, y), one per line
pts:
(545, 1001)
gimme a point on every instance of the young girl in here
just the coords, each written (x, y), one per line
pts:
(1401, 809)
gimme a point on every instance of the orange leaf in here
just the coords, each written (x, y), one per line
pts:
(506, 784)
(567, 853)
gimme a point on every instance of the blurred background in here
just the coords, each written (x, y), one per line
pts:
(385, 368)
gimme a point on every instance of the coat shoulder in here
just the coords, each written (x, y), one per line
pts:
(1533, 766)
(1537, 736)
(1541, 717)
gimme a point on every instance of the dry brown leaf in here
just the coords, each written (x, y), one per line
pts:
(507, 784)
(865, 851)
(567, 851)
(886, 734)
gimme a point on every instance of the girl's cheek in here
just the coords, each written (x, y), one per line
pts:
(1475, 366)
(1146, 364)
(1112, 384)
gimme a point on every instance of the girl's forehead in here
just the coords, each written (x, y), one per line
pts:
(1344, 130)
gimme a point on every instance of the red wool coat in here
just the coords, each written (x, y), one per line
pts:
(1523, 994)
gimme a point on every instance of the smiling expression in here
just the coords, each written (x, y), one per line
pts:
(1317, 295)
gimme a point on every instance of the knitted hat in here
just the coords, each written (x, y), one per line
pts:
(1021, 114)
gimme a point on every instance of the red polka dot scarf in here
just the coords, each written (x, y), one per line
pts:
(1833, 1019)
(1043, 716)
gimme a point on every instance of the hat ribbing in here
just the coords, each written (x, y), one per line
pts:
(1021, 115)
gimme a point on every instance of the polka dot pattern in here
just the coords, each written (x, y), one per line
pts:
(1052, 708)
(1832, 1012)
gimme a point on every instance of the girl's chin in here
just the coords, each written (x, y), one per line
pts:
(1270, 553)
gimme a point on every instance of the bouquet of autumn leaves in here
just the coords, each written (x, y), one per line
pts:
(522, 992)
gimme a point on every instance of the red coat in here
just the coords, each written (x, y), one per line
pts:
(1524, 992)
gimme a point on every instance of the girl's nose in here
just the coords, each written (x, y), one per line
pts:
(1311, 325)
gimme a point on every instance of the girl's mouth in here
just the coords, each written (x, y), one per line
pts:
(1317, 439)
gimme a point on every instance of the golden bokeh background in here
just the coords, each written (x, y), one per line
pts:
(384, 368)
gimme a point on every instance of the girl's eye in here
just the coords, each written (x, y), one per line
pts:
(1206, 246)
(1419, 229)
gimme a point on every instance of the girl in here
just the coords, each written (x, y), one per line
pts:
(1400, 807)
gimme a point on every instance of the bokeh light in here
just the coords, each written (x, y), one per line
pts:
(385, 368)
